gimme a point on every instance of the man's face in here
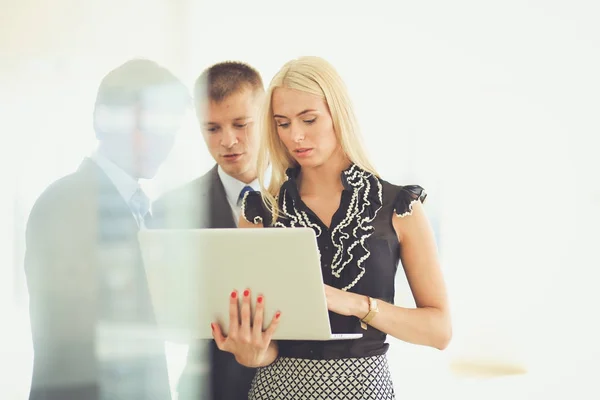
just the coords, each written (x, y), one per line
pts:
(229, 131)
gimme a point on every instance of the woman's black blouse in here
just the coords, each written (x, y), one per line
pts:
(360, 251)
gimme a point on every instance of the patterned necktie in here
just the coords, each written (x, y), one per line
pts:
(245, 190)
(140, 203)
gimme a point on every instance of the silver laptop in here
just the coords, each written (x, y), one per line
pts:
(191, 274)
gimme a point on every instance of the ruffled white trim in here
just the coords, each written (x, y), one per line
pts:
(409, 211)
(344, 241)
(359, 180)
(299, 218)
(257, 220)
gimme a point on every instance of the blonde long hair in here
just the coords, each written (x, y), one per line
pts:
(316, 76)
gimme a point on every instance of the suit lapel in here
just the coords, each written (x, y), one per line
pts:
(221, 215)
(117, 252)
(116, 222)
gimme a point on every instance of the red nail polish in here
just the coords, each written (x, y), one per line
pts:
(233, 294)
(259, 299)
(246, 293)
(277, 315)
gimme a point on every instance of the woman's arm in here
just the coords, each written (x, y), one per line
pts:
(429, 324)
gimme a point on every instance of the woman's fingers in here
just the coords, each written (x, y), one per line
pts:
(246, 338)
(242, 328)
(272, 327)
(234, 320)
(218, 336)
(258, 317)
(245, 329)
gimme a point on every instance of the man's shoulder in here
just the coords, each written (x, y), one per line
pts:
(188, 192)
(63, 201)
(67, 189)
(186, 206)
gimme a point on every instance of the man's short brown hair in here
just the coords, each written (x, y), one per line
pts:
(224, 79)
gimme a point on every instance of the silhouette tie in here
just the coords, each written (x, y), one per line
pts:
(140, 203)
(245, 190)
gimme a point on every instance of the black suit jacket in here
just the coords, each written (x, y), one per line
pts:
(201, 204)
(93, 328)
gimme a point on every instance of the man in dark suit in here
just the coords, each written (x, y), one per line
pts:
(228, 96)
(93, 327)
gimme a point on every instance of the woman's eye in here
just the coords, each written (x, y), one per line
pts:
(310, 121)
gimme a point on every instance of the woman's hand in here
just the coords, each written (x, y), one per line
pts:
(246, 341)
(346, 303)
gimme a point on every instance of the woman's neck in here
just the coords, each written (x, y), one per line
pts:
(325, 177)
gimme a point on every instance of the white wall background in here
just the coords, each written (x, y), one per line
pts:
(491, 106)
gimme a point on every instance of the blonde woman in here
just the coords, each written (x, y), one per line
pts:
(321, 178)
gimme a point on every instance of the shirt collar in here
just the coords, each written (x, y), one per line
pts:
(233, 187)
(126, 185)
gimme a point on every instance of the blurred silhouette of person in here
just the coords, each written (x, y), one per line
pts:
(93, 327)
(228, 96)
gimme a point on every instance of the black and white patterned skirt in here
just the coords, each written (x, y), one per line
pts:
(347, 378)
